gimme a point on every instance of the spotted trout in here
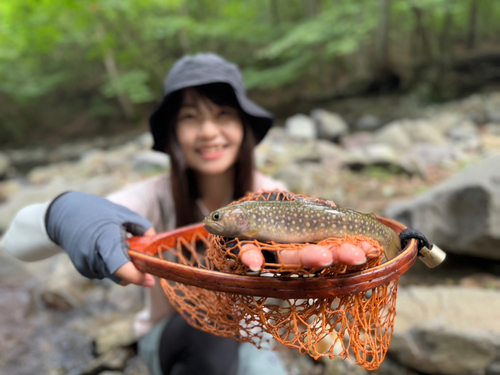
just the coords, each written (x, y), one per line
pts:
(302, 220)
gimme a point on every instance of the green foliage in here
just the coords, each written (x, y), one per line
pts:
(112, 52)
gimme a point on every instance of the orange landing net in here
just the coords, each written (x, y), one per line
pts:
(358, 324)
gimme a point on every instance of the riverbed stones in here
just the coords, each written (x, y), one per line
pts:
(446, 330)
(461, 214)
(301, 128)
(330, 125)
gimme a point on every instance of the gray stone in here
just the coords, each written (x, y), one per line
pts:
(300, 128)
(4, 164)
(368, 123)
(151, 160)
(381, 155)
(126, 298)
(393, 135)
(446, 330)
(465, 136)
(330, 125)
(63, 288)
(113, 360)
(461, 214)
(145, 140)
(115, 335)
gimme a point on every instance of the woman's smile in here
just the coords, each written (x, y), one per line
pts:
(212, 152)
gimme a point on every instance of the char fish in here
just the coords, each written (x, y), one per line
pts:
(301, 220)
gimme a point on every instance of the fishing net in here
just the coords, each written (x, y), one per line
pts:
(353, 315)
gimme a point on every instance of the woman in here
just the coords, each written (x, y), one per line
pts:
(209, 128)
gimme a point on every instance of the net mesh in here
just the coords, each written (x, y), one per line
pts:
(355, 324)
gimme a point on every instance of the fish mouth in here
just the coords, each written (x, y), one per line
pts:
(213, 228)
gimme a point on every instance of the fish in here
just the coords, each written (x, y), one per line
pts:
(298, 221)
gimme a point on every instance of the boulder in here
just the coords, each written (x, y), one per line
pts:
(330, 125)
(461, 214)
(301, 128)
(446, 330)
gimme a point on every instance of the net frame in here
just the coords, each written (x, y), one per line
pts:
(336, 313)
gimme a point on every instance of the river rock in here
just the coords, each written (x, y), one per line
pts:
(393, 135)
(63, 288)
(461, 214)
(146, 161)
(115, 360)
(115, 335)
(330, 125)
(367, 123)
(465, 136)
(301, 128)
(446, 330)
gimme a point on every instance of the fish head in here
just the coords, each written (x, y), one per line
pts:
(229, 221)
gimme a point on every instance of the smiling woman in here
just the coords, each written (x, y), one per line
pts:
(209, 127)
(210, 135)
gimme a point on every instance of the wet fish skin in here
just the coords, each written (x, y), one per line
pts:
(298, 221)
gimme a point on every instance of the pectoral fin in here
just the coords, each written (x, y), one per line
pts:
(251, 233)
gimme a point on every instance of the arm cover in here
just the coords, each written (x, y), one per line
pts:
(27, 238)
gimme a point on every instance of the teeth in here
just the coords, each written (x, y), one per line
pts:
(208, 150)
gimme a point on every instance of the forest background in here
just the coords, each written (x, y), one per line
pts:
(72, 69)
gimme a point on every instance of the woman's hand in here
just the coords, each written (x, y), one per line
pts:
(312, 255)
(93, 231)
(129, 274)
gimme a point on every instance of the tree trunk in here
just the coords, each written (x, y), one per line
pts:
(382, 38)
(275, 15)
(472, 33)
(422, 32)
(444, 35)
(114, 77)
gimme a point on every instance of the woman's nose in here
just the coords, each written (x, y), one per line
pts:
(209, 129)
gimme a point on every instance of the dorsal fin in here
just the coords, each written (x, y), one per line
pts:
(320, 201)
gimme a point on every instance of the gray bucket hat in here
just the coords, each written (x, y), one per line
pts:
(199, 70)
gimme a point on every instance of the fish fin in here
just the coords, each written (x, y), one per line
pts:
(251, 233)
(372, 215)
(321, 201)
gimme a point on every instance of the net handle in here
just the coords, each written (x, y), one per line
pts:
(143, 250)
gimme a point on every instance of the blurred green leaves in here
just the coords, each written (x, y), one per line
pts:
(91, 56)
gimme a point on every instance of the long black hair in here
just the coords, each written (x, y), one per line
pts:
(184, 189)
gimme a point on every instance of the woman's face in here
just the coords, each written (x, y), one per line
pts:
(210, 135)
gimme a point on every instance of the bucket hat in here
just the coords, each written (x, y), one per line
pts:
(202, 69)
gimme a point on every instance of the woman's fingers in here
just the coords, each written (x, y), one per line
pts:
(314, 255)
(309, 256)
(252, 257)
(129, 274)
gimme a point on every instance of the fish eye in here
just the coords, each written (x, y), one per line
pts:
(216, 215)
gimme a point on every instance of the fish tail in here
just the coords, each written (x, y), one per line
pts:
(394, 247)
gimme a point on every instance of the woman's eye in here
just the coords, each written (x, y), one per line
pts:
(186, 116)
